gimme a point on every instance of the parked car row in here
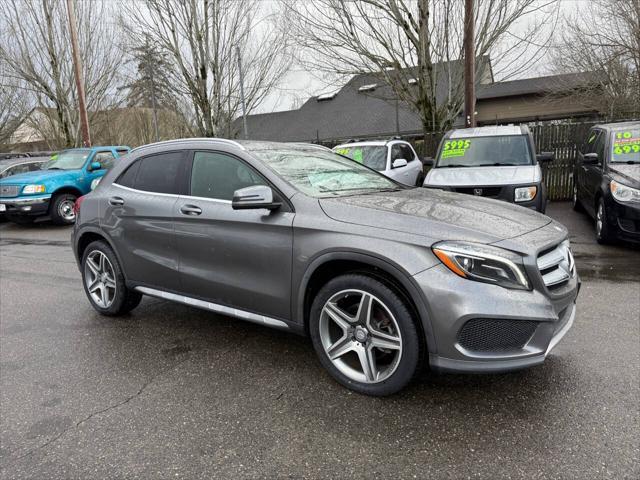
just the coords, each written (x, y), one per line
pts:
(498, 162)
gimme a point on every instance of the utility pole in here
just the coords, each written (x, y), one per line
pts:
(469, 66)
(77, 67)
(244, 107)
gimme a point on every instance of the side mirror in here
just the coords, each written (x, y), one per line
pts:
(428, 161)
(544, 157)
(95, 166)
(399, 163)
(258, 196)
(590, 159)
(94, 183)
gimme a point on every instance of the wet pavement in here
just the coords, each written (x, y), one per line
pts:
(174, 392)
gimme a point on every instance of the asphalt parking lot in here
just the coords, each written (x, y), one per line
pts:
(175, 392)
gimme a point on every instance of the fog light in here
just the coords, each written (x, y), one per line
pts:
(525, 194)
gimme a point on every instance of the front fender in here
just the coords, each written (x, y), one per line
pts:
(389, 267)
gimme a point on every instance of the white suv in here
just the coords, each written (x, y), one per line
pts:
(394, 158)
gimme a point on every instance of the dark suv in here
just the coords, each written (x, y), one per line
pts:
(607, 180)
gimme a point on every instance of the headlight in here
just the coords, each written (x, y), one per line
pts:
(483, 263)
(34, 189)
(524, 194)
(622, 193)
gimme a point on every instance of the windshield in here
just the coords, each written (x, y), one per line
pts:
(373, 156)
(485, 151)
(626, 145)
(323, 174)
(68, 160)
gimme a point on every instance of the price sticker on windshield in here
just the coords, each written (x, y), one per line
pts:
(626, 142)
(455, 148)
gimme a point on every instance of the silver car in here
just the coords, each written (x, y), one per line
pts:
(395, 159)
(385, 279)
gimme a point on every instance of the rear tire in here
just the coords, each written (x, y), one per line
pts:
(365, 335)
(62, 209)
(104, 282)
(420, 179)
(577, 206)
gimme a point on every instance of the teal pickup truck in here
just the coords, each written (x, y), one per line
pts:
(53, 190)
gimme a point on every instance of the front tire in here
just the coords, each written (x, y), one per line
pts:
(603, 231)
(62, 209)
(104, 281)
(365, 335)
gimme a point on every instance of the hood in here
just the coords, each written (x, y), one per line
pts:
(39, 176)
(626, 173)
(483, 176)
(436, 214)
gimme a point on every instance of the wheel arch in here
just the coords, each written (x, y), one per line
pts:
(88, 235)
(333, 264)
(67, 189)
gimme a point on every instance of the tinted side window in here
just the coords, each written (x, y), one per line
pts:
(160, 173)
(128, 178)
(407, 153)
(589, 145)
(105, 159)
(396, 152)
(35, 166)
(216, 175)
(599, 146)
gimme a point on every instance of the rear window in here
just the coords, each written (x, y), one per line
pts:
(155, 173)
(501, 150)
(373, 156)
(626, 145)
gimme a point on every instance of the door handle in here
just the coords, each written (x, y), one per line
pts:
(115, 201)
(190, 210)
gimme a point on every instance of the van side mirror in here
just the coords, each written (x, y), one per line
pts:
(95, 166)
(590, 159)
(258, 196)
(544, 157)
(399, 163)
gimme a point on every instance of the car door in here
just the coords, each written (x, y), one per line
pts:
(105, 158)
(593, 173)
(400, 174)
(138, 217)
(235, 258)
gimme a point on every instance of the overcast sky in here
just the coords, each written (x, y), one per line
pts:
(299, 85)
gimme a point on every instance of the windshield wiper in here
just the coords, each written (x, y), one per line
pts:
(54, 168)
(453, 166)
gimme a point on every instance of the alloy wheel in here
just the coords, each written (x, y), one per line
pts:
(360, 336)
(99, 278)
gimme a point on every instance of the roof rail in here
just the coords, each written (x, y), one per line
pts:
(180, 140)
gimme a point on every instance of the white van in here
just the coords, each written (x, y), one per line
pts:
(497, 162)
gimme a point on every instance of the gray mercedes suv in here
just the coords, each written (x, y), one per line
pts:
(384, 278)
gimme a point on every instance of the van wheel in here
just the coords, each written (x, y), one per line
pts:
(364, 335)
(104, 282)
(62, 209)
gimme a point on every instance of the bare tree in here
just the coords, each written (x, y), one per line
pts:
(415, 46)
(34, 45)
(14, 106)
(200, 38)
(603, 39)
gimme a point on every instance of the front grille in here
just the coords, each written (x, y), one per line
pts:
(491, 192)
(556, 265)
(492, 335)
(9, 191)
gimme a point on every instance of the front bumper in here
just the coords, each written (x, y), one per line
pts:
(505, 193)
(31, 205)
(480, 328)
(624, 218)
